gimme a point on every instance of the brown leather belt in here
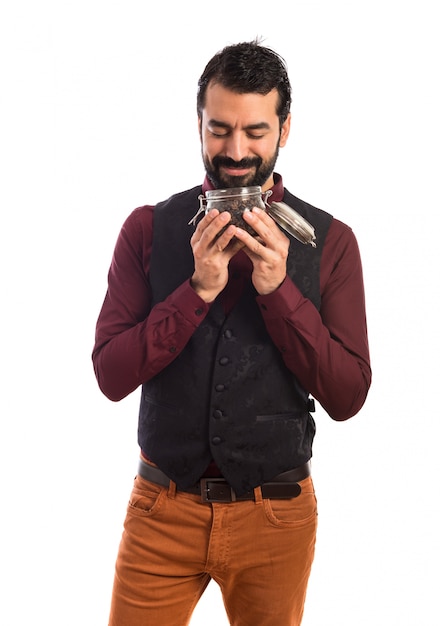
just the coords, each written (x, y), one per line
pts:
(282, 487)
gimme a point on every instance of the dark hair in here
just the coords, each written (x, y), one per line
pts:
(248, 68)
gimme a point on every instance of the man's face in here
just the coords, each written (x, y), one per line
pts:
(241, 136)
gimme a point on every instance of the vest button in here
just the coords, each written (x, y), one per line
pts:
(220, 387)
(224, 360)
(228, 334)
(217, 414)
(216, 440)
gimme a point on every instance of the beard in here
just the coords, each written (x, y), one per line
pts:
(262, 170)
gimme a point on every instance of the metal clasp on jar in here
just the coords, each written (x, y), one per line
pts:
(202, 209)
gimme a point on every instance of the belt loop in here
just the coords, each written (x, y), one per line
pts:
(172, 490)
(258, 494)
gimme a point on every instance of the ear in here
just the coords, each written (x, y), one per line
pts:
(285, 130)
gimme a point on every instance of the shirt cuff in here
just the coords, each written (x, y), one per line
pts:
(281, 302)
(189, 303)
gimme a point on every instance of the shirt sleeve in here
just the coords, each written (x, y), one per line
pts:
(133, 341)
(327, 350)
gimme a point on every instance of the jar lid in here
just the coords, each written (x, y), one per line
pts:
(292, 222)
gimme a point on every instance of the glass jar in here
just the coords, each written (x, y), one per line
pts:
(237, 200)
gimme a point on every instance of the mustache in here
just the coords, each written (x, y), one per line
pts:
(219, 161)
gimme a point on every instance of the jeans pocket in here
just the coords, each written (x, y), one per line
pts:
(145, 498)
(296, 511)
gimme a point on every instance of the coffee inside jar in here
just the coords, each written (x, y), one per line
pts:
(236, 201)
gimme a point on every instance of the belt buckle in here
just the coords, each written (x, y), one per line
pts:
(224, 492)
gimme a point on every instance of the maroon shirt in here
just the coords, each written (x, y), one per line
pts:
(326, 350)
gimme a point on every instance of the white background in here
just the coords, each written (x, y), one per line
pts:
(98, 117)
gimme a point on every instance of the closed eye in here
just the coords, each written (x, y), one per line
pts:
(252, 136)
(220, 129)
(223, 134)
(227, 133)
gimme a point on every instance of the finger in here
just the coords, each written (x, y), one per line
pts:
(207, 220)
(203, 227)
(253, 244)
(216, 225)
(227, 242)
(268, 230)
(262, 223)
(216, 235)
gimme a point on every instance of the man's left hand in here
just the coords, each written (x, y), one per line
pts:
(268, 251)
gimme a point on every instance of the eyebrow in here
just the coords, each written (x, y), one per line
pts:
(257, 126)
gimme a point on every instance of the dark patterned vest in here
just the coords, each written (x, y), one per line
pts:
(228, 396)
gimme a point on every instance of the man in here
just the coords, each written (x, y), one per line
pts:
(231, 336)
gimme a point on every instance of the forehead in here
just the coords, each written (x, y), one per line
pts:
(225, 105)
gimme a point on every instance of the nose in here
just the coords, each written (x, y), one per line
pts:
(236, 146)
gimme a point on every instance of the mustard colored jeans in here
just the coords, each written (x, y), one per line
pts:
(259, 552)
